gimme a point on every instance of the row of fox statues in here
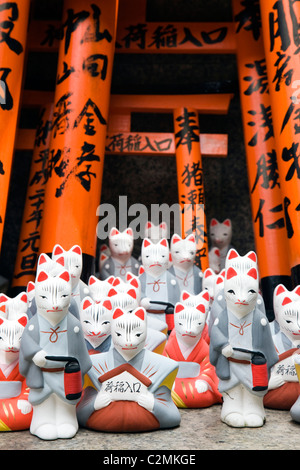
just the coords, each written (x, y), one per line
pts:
(145, 337)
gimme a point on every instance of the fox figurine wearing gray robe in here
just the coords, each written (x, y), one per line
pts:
(241, 344)
(53, 331)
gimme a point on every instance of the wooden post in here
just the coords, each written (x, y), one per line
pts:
(263, 176)
(190, 180)
(14, 23)
(80, 115)
(28, 248)
(280, 27)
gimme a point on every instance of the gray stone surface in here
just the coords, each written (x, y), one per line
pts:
(200, 429)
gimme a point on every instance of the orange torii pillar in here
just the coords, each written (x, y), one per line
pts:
(14, 23)
(80, 115)
(280, 27)
(28, 248)
(264, 182)
(190, 180)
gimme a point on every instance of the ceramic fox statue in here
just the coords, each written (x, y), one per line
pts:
(193, 301)
(13, 307)
(95, 320)
(159, 288)
(126, 295)
(232, 260)
(15, 409)
(213, 283)
(98, 289)
(53, 266)
(131, 282)
(209, 281)
(51, 342)
(241, 344)
(120, 261)
(130, 386)
(72, 261)
(183, 253)
(196, 383)
(220, 236)
(284, 388)
(31, 306)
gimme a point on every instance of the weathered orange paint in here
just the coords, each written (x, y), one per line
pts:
(80, 115)
(280, 22)
(217, 103)
(14, 23)
(190, 180)
(28, 247)
(141, 143)
(260, 147)
(260, 153)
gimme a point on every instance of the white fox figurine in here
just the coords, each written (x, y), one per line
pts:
(220, 236)
(120, 261)
(51, 343)
(183, 254)
(159, 288)
(131, 389)
(241, 344)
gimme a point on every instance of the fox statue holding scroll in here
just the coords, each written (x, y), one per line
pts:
(130, 386)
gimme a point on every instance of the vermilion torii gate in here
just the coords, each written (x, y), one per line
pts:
(261, 155)
(14, 23)
(136, 35)
(120, 140)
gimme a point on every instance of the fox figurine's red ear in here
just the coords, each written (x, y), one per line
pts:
(140, 312)
(232, 254)
(114, 231)
(42, 276)
(117, 313)
(76, 249)
(87, 303)
(65, 276)
(58, 250)
(146, 242)
(164, 242)
(230, 273)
